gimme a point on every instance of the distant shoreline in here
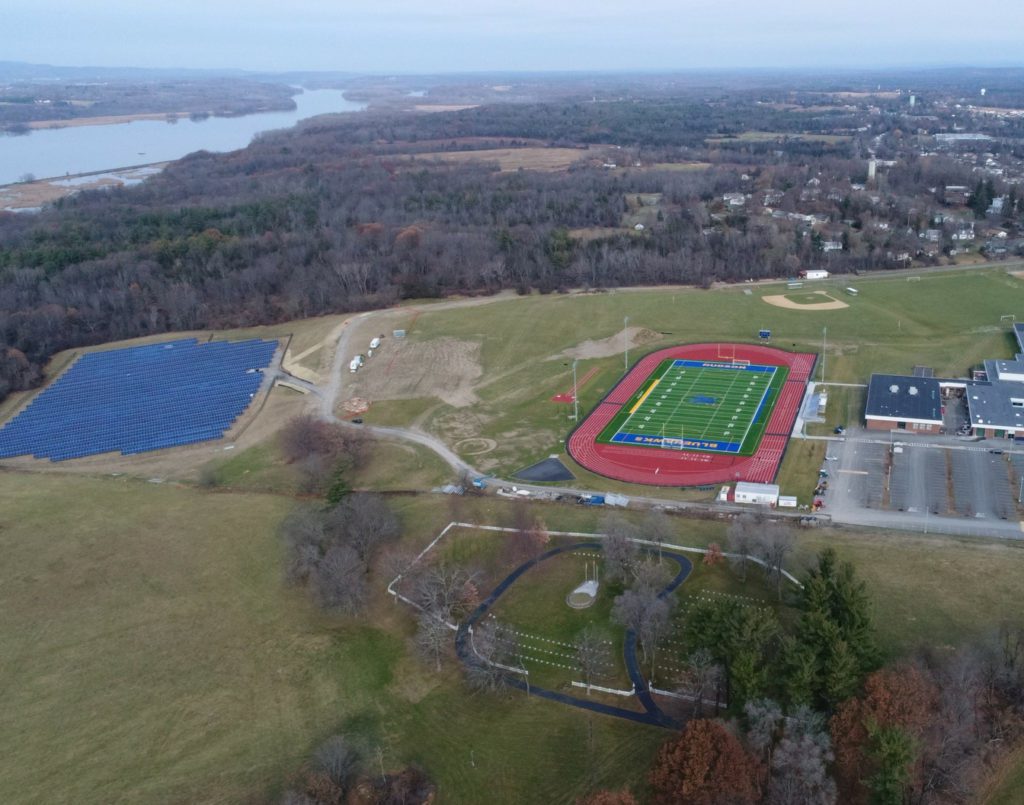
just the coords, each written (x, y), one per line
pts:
(30, 196)
(113, 120)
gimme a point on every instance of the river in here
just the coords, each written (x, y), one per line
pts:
(49, 153)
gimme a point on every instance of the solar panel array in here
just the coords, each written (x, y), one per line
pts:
(141, 398)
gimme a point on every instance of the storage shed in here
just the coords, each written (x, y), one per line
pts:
(757, 494)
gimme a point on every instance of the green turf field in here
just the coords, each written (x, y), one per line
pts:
(699, 405)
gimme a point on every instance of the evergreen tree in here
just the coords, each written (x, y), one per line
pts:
(841, 676)
(800, 672)
(892, 749)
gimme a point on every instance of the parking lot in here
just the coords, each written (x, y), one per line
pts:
(951, 485)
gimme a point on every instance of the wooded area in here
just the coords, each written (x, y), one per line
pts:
(340, 215)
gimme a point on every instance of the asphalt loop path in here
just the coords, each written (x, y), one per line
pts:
(652, 715)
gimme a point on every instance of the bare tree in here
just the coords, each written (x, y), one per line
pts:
(320, 450)
(651, 574)
(702, 679)
(775, 547)
(363, 521)
(340, 580)
(444, 589)
(646, 614)
(494, 651)
(742, 539)
(658, 528)
(620, 551)
(764, 718)
(592, 655)
(433, 637)
(302, 531)
(337, 759)
(800, 763)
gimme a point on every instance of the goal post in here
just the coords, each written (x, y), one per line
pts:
(726, 352)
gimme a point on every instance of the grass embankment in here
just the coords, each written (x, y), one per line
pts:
(388, 467)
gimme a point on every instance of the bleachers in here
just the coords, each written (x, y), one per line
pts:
(139, 399)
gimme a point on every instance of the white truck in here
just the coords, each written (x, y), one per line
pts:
(375, 343)
(355, 363)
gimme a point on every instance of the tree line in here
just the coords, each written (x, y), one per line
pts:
(335, 216)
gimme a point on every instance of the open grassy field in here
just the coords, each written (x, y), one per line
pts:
(152, 653)
(526, 345)
(768, 136)
(512, 159)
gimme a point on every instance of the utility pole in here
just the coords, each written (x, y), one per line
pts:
(625, 343)
(575, 395)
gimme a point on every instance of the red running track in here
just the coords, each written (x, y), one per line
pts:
(646, 465)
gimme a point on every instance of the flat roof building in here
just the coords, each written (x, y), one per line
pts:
(898, 402)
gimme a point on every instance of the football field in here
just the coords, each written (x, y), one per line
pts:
(719, 407)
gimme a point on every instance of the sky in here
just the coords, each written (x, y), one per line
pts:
(431, 36)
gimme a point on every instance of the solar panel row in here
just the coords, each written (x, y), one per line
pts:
(140, 399)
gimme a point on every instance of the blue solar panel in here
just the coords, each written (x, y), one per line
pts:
(139, 399)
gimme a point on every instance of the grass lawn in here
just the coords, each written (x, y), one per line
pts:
(845, 407)
(152, 654)
(389, 467)
(798, 473)
(535, 605)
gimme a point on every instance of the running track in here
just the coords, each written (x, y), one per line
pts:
(656, 467)
(651, 715)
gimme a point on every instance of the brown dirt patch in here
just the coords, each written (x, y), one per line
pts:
(445, 368)
(356, 405)
(780, 300)
(612, 345)
(475, 446)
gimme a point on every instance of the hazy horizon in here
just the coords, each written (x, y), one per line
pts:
(398, 36)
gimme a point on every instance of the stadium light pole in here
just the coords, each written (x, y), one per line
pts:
(824, 336)
(575, 395)
(625, 343)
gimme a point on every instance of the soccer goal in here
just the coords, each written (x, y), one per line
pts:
(673, 443)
